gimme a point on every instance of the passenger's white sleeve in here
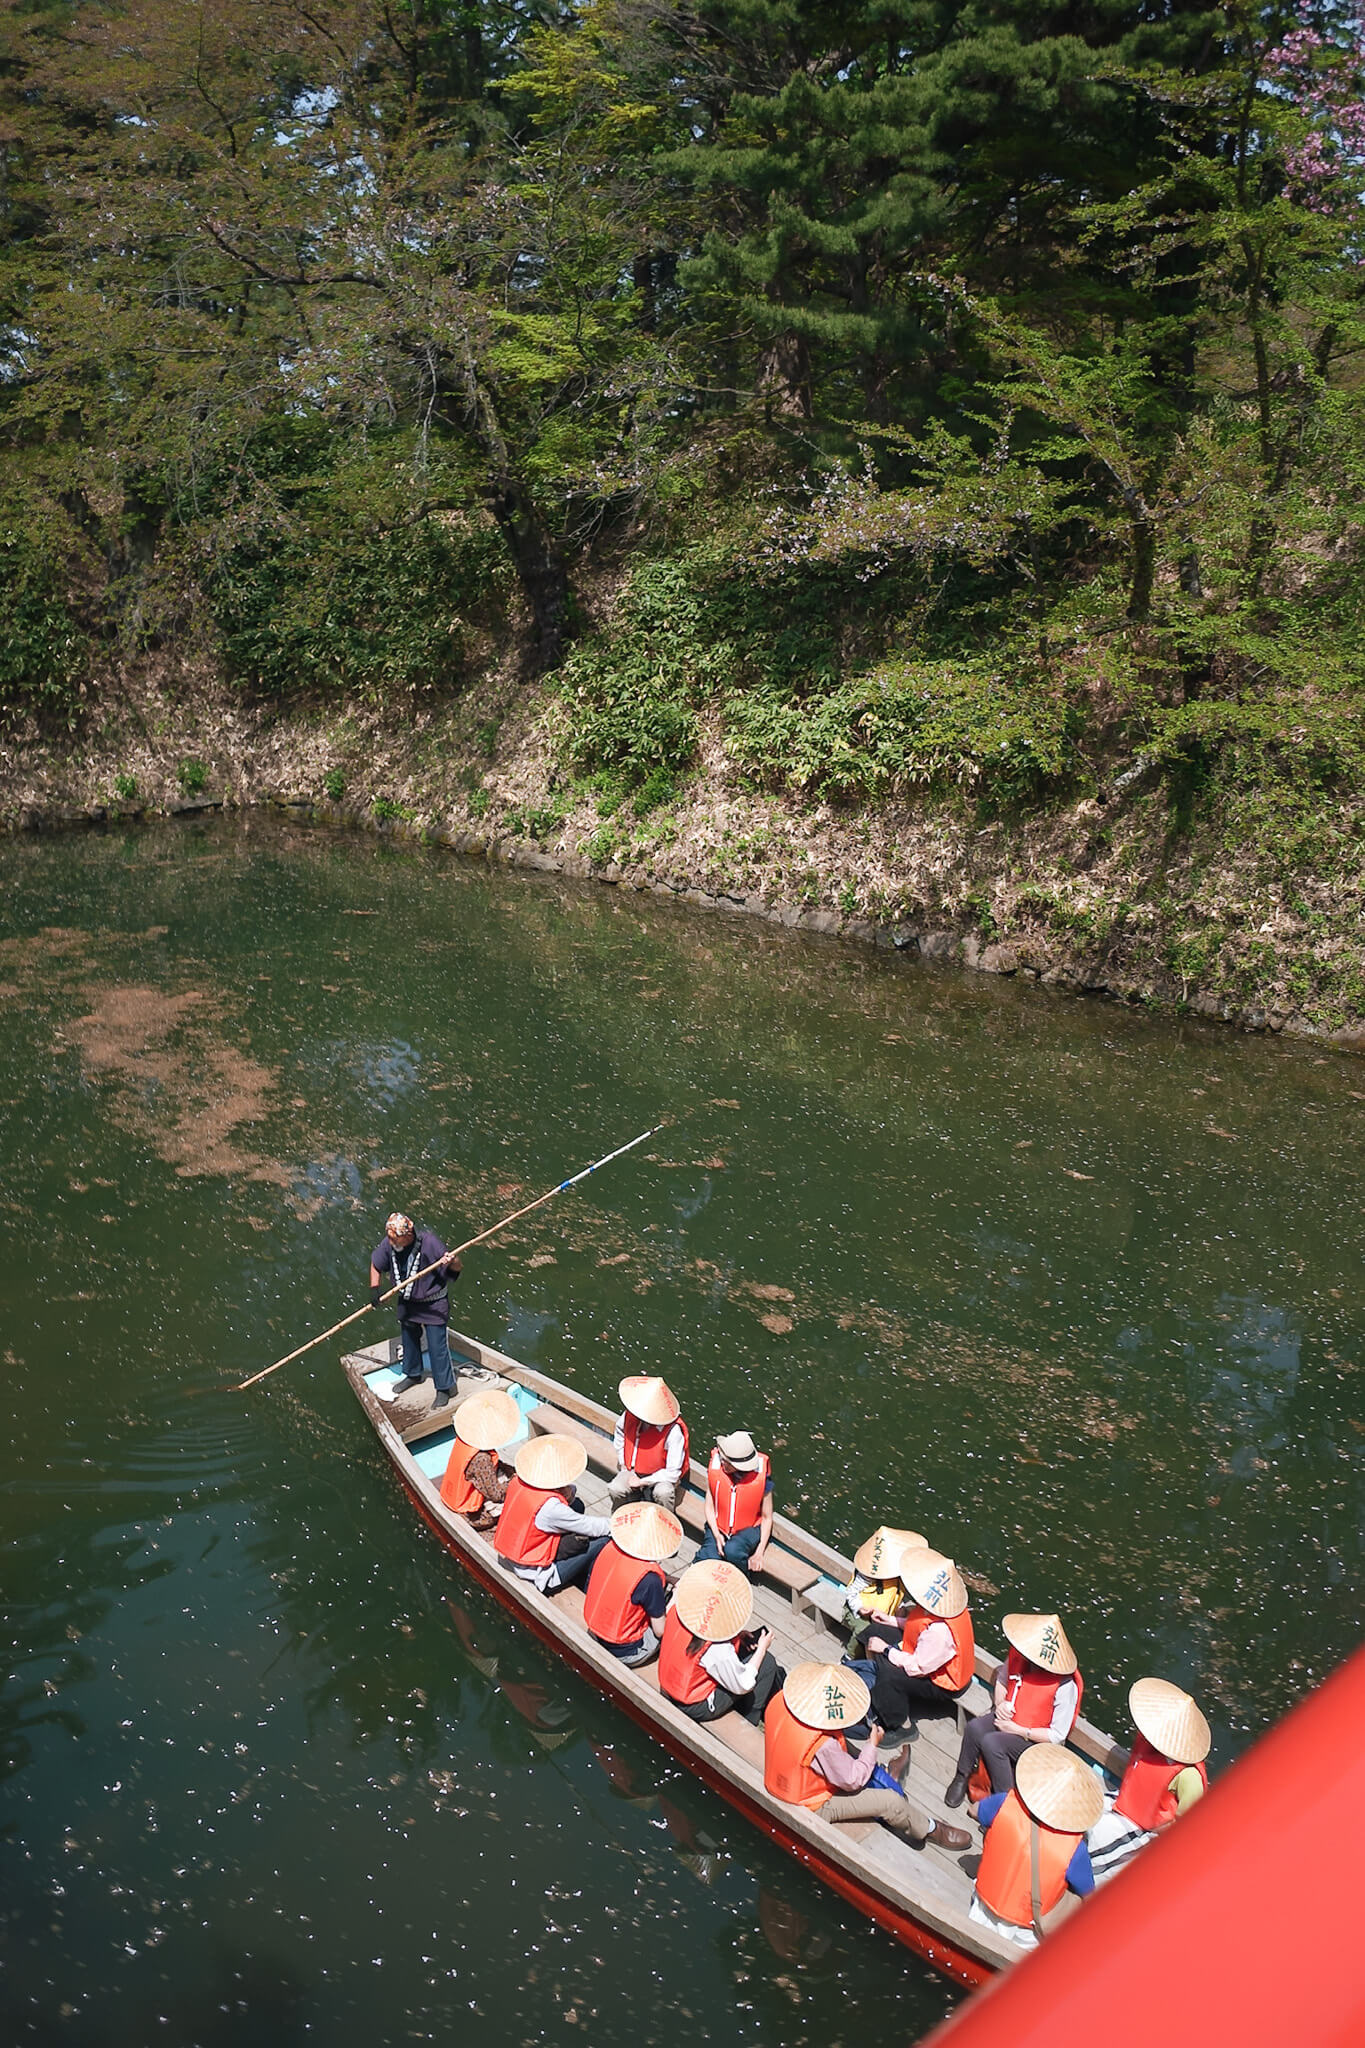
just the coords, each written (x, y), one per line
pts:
(618, 1442)
(1063, 1711)
(722, 1662)
(675, 1453)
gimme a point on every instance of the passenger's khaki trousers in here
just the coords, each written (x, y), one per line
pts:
(876, 1804)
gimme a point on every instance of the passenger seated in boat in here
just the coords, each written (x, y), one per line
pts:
(707, 1665)
(929, 1659)
(1037, 1699)
(627, 1595)
(739, 1504)
(650, 1442)
(1165, 1775)
(875, 1587)
(472, 1484)
(1055, 1799)
(807, 1760)
(542, 1532)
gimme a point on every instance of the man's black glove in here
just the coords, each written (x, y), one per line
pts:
(376, 1294)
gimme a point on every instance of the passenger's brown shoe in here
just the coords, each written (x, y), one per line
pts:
(944, 1837)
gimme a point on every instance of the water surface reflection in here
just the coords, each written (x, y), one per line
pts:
(1077, 1292)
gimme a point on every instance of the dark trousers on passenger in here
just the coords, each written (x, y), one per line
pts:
(897, 1694)
(571, 1571)
(438, 1351)
(983, 1742)
(739, 1548)
(748, 1704)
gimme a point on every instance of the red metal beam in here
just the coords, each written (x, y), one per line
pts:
(1242, 1925)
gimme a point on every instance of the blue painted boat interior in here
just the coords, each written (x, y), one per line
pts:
(433, 1453)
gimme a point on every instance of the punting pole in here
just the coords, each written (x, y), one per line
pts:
(468, 1245)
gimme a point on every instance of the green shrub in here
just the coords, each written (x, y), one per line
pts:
(125, 788)
(42, 649)
(634, 691)
(600, 846)
(338, 608)
(909, 723)
(192, 776)
(539, 822)
(386, 809)
(334, 785)
(658, 787)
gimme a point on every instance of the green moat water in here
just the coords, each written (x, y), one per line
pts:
(1076, 1292)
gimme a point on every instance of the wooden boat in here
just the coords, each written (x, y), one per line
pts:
(919, 1895)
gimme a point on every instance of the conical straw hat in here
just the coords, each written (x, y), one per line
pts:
(646, 1531)
(826, 1695)
(550, 1461)
(649, 1399)
(1057, 1788)
(879, 1557)
(1170, 1720)
(714, 1600)
(487, 1421)
(935, 1582)
(1042, 1639)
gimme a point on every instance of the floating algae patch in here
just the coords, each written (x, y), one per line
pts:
(173, 1076)
(179, 1084)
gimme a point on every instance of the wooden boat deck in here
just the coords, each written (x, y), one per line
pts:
(920, 1895)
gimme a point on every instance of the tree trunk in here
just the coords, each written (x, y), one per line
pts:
(540, 571)
(642, 277)
(538, 562)
(1143, 570)
(783, 380)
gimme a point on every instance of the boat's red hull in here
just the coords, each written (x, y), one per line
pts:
(940, 1954)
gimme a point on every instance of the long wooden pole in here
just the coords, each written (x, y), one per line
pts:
(468, 1245)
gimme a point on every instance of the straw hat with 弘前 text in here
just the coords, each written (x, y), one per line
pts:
(934, 1582)
(1170, 1720)
(1042, 1639)
(826, 1695)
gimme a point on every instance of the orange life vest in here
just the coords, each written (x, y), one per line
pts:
(957, 1672)
(681, 1677)
(609, 1609)
(788, 1747)
(517, 1539)
(1032, 1692)
(739, 1502)
(1003, 1881)
(1147, 1794)
(456, 1490)
(643, 1444)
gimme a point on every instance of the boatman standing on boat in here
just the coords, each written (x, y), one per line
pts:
(423, 1305)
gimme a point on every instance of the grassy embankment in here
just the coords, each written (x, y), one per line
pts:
(1171, 812)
